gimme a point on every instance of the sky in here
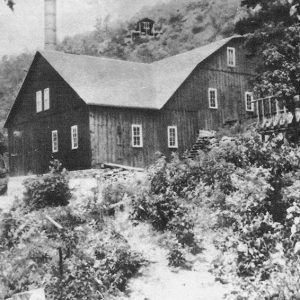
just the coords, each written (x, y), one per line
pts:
(23, 29)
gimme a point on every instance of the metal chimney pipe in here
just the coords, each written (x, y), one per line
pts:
(50, 24)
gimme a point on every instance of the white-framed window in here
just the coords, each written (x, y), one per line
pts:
(136, 135)
(54, 141)
(46, 99)
(231, 57)
(39, 101)
(248, 101)
(74, 137)
(172, 137)
(212, 98)
(146, 25)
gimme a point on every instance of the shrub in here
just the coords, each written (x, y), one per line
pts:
(182, 225)
(159, 210)
(96, 262)
(112, 194)
(51, 189)
(176, 257)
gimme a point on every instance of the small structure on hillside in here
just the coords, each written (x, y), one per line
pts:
(144, 28)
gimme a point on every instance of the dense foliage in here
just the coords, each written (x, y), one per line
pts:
(249, 189)
(51, 189)
(162, 204)
(10, 4)
(96, 260)
(12, 72)
(273, 28)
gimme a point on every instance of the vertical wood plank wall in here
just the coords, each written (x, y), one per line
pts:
(187, 109)
(110, 130)
(31, 151)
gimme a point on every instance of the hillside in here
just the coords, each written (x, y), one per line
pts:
(185, 25)
(12, 72)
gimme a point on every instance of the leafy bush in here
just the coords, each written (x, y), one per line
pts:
(96, 262)
(250, 188)
(51, 189)
(176, 256)
(261, 214)
(162, 205)
(112, 194)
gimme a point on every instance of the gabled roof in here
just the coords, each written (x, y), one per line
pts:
(112, 82)
(145, 20)
(171, 72)
(105, 82)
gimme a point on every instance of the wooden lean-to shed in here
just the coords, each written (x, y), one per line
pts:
(87, 111)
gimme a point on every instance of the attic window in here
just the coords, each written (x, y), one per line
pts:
(137, 136)
(212, 98)
(39, 101)
(46, 99)
(230, 57)
(42, 100)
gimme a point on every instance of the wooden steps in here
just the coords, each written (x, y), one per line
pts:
(203, 140)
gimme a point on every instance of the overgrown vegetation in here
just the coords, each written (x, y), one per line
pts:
(162, 204)
(96, 260)
(273, 36)
(250, 190)
(246, 189)
(51, 189)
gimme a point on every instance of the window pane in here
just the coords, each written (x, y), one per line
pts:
(137, 136)
(39, 106)
(212, 98)
(172, 137)
(54, 141)
(46, 99)
(231, 57)
(249, 104)
(74, 136)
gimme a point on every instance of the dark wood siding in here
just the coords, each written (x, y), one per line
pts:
(110, 130)
(30, 142)
(105, 132)
(189, 109)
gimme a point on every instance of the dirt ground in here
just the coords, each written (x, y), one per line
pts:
(158, 281)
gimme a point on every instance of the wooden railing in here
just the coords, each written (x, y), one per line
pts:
(271, 113)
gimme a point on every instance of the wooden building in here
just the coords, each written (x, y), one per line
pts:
(144, 28)
(90, 110)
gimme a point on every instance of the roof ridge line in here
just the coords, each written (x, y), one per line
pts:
(92, 57)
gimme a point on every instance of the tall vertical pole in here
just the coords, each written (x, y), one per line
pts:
(50, 24)
(257, 109)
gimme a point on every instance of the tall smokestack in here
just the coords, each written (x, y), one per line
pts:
(50, 24)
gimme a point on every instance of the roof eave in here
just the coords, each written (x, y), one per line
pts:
(124, 106)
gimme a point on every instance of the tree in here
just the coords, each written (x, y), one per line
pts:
(10, 4)
(12, 72)
(274, 33)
